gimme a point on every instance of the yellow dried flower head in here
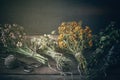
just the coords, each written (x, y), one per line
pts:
(71, 38)
(74, 24)
(90, 43)
(77, 29)
(60, 37)
(81, 32)
(63, 24)
(89, 35)
(61, 29)
(61, 44)
(87, 29)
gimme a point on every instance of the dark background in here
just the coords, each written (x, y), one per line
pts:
(43, 16)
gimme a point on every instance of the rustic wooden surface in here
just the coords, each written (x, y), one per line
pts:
(42, 69)
(40, 73)
(20, 69)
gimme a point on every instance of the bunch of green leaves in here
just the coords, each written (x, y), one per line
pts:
(104, 53)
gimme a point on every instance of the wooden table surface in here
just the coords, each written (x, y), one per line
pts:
(41, 73)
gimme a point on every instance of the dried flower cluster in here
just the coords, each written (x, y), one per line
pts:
(43, 42)
(73, 37)
(12, 35)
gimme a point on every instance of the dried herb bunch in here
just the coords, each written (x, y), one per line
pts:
(46, 46)
(75, 38)
(72, 36)
(13, 39)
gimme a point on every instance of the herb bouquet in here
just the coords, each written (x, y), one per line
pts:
(47, 46)
(13, 39)
(74, 38)
(106, 52)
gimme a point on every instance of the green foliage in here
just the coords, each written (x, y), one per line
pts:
(106, 51)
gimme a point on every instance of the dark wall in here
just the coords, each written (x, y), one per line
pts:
(43, 16)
